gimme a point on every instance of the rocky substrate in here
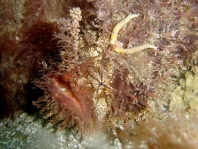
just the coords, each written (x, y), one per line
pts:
(30, 132)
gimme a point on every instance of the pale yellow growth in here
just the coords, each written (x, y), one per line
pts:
(118, 26)
(118, 47)
(185, 94)
(134, 49)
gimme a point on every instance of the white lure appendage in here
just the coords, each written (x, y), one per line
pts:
(134, 49)
(118, 26)
(114, 35)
